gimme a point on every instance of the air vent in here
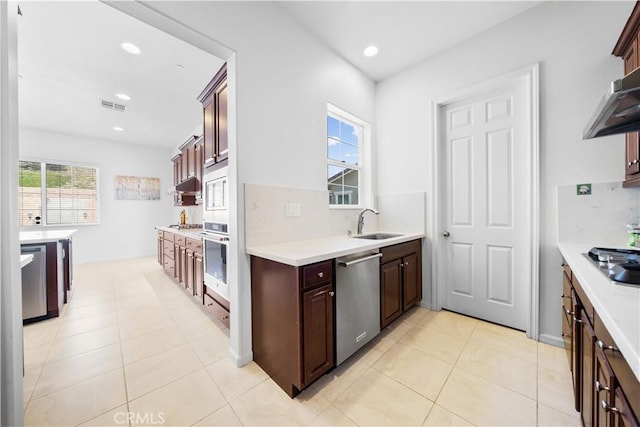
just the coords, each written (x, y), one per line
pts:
(114, 106)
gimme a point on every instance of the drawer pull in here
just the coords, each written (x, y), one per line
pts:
(576, 320)
(331, 293)
(569, 312)
(604, 347)
(321, 274)
(608, 407)
(600, 387)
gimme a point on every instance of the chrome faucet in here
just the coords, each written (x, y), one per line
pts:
(361, 218)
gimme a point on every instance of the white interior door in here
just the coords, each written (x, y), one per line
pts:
(487, 215)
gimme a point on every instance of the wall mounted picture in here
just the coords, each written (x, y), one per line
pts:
(137, 188)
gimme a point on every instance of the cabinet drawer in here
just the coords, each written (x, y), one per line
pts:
(389, 253)
(218, 311)
(168, 236)
(194, 245)
(317, 274)
(180, 240)
(169, 249)
(566, 293)
(567, 270)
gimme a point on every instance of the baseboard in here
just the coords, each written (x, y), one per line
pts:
(552, 340)
(240, 360)
(426, 305)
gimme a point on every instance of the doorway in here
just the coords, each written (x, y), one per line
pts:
(485, 228)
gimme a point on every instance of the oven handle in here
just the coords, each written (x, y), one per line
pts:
(223, 240)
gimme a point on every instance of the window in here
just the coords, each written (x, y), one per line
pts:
(57, 194)
(346, 172)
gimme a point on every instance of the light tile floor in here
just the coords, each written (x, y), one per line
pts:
(133, 348)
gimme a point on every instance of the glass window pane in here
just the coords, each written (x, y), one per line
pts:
(348, 133)
(29, 193)
(333, 127)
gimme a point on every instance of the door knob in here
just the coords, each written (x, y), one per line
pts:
(445, 234)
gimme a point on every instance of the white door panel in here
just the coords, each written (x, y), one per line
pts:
(487, 209)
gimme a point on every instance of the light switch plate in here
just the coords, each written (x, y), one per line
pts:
(292, 209)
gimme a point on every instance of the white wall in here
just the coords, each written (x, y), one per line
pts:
(572, 42)
(282, 79)
(126, 226)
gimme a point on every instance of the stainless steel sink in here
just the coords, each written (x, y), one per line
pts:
(377, 236)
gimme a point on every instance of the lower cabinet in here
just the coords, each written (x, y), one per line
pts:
(400, 280)
(606, 389)
(181, 258)
(292, 310)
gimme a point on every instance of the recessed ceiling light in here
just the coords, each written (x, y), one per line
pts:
(131, 48)
(123, 96)
(179, 66)
(370, 51)
(118, 128)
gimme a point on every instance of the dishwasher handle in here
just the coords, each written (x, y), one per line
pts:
(359, 260)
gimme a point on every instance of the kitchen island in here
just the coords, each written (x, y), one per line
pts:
(56, 249)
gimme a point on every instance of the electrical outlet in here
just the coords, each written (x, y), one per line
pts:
(292, 209)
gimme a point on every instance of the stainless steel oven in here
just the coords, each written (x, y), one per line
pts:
(216, 243)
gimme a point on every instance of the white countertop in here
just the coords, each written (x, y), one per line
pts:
(43, 236)
(618, 306)
(192, 233)
(25, 260)
(303, 252)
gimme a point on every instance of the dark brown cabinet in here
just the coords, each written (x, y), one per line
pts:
(181, 257)
(187, 173)
(214, 99)
(606, 389)
(627, 49)
(400, 280)
(292, 312)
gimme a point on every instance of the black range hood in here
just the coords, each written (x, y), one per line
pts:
(619, 110)
(189, 185)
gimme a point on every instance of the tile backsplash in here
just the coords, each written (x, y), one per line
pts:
(266, 220)
(599, 217)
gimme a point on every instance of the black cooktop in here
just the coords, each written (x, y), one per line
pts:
(620, 265)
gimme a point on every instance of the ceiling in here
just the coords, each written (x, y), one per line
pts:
(406, 32)
(70, 59)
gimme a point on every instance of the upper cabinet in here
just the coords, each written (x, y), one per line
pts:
(187, 172)
(214, 99)
(627, 49)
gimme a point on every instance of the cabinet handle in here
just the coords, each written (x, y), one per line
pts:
(332, 293)
(632, 163)
(406, 263)
(608, 407)
(576, 320)
(603, 346)
(321, 274)
(600, 387)
(570, 313)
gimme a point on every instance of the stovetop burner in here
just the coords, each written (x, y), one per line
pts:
(185, 226)
(620, 265)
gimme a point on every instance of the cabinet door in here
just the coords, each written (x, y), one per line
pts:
(317, 332)
(575, 345)
(622, 415)
(603, 390)
(160, 254)
(208, 131)
(411, 282)
(632, 156)
(390, 292)
(587, 391)
(222, 138)
(189, 272)
(198, 276)
(191, 160)
(198, 166)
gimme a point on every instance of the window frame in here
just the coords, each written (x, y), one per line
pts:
(364, 164)
(43, 194)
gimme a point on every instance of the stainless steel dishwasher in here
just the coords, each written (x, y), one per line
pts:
(34, 283)
(357, 302)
